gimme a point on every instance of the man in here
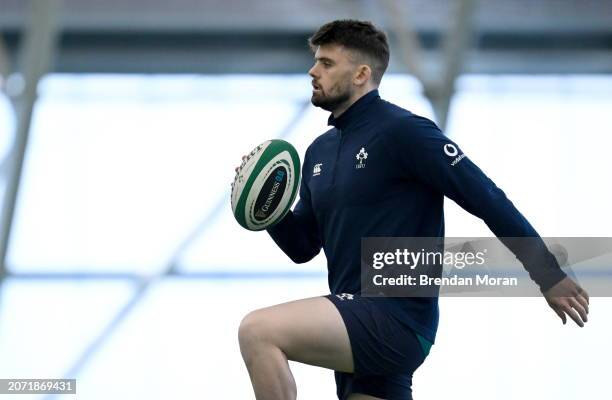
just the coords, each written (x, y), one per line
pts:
(380, 171)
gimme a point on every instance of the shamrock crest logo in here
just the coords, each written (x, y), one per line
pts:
(361, 156)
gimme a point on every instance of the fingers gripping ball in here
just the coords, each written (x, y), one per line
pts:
(266, 185)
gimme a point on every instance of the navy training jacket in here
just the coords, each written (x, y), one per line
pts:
(383, 171)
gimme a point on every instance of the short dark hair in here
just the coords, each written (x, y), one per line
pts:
(360, 36)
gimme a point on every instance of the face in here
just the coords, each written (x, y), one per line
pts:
(332, 77)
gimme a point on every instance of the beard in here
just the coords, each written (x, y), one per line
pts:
(339, 95)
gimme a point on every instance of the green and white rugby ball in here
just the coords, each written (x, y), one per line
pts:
(266, 184)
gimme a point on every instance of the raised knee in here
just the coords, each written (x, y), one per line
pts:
(251, 330)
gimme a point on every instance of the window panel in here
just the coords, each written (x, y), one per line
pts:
(116, 178)
(45, 326)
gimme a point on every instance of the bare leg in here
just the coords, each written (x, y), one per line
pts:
(310, 331)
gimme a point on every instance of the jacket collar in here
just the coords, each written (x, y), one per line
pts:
(354, 113)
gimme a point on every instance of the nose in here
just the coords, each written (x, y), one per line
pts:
(312, 71)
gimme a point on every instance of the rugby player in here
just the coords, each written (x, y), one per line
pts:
(379, 171)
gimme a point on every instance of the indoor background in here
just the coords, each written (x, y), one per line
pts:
(121, 123)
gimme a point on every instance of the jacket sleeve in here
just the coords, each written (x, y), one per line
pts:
(297, 233)
(427, 155)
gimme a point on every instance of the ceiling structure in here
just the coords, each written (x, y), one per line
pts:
(269, 36)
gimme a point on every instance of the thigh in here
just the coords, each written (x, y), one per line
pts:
(310, 331)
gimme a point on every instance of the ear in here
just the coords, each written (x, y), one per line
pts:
(362, 75)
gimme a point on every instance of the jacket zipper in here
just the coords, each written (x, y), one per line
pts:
(337, 157)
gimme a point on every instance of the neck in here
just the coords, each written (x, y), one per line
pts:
(338, 111)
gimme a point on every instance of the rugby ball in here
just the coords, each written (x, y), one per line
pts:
(265, 185)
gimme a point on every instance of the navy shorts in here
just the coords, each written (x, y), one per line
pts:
(385, 352)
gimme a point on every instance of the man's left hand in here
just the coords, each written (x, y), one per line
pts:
(566, 297)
